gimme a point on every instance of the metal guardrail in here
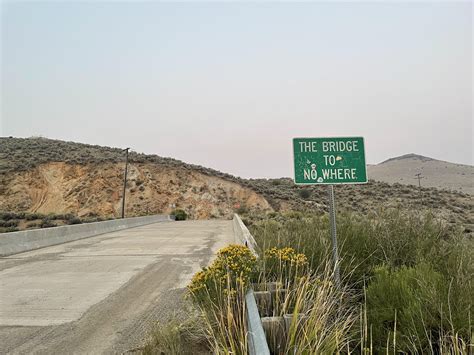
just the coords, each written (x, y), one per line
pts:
(243, 235)
(257, 343)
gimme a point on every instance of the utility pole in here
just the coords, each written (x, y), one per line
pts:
(124, 182)
(419, 177)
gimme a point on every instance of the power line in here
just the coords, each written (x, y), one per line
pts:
(419, 177)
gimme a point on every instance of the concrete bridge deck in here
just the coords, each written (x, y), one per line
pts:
(100, 294)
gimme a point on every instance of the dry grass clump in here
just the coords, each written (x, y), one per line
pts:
(185, 337)
(318, 315)
(322, 317)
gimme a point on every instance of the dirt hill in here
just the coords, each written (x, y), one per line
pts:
(51, 176)
(47, 176)
(435, 173)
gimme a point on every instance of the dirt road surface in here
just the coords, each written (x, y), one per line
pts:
(102, 294)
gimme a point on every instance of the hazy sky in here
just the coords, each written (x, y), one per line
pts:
(228, 85)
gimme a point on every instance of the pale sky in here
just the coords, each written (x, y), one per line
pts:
(228, 85)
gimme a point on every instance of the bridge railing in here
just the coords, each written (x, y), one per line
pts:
(18, 242)
(243, 235)
(257, 343)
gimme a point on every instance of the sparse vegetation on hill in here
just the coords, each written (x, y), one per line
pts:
(282, 194)
(13, 222)
(434, 173)
(24, 154)
(50, 176)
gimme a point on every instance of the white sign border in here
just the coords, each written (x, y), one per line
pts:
(332, 183)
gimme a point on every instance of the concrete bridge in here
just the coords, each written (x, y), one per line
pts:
(100, 294)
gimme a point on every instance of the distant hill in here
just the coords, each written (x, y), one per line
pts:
(435, 173)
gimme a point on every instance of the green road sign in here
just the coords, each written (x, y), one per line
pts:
(338, 160)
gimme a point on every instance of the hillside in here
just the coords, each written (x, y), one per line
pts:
(50, 176)
(436, 173)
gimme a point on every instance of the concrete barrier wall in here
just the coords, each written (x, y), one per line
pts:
(18, 242)
(242, 234)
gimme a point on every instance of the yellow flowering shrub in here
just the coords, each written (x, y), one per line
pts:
(230, 272)
(284, 264)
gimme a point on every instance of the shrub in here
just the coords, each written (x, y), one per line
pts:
(242, 209)
(180, 215)
(49, 217)
(68, 216)
(284, 265)
(219, 291)
(74, 220)
(231, 270)
(272, 214)
(306, 234)
(54, 216)
(6, 216)
(9, 223)
(33, 216)
(387, 237)
(407, 302)
(46, 223)
(304, 193)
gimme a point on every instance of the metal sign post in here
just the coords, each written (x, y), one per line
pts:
(329, 161)
(332, 222)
